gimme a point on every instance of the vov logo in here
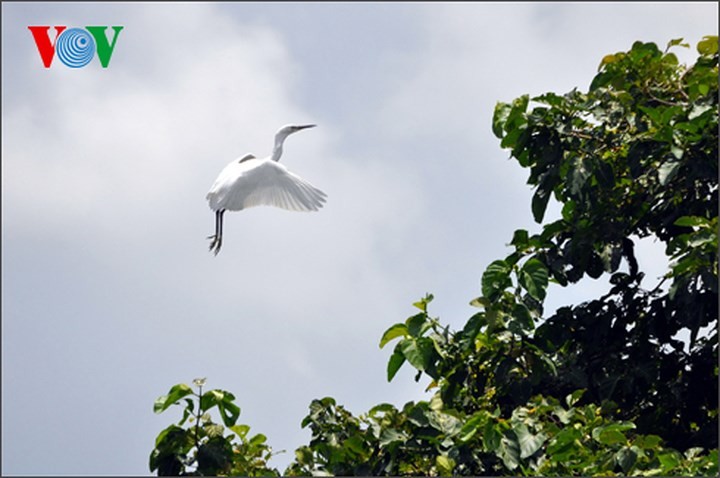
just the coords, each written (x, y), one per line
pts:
(74, 47)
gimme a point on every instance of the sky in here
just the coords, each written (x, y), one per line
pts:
(109, 293)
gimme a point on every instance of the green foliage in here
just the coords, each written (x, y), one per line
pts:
(421, 438)
(606, 387)
(543, 437)
(202, 448)
(636, 156)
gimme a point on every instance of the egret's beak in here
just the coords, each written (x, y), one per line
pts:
(305, 126)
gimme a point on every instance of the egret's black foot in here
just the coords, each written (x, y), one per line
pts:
(215, 244)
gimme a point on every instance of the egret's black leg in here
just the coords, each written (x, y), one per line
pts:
(216, 242)
(219, 220)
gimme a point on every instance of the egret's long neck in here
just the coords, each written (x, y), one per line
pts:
(278, 148)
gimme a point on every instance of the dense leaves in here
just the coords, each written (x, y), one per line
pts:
(636, 156)
(543, 437)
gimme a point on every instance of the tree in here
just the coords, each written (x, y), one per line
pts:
(603, 387)
(635, 156)
(202, 448)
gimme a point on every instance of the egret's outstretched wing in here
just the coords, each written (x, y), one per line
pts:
(262, 182)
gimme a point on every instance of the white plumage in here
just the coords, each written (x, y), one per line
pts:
(262, 182)
(248, 182)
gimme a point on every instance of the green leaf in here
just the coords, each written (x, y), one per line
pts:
(394, 364)
(391, 435)
(676, 42)
(397, 330)
(481, 302)
(445, 465)
(670, 113)
(606, 60)
(495, 279)
(626, 458)
(677, 152)
(528, 442)
(564, 445)
(544, 359)
(691, 221)
(355, 444)
(648, 442)
(473, 325)
(304, 455)
(417, 324)
(611, 255)
(539, 203)
(612, 434)
(573, 398)
(550, 99)
(522, 316)
(418, 352)
(708, 45)
(515, 125)
(697, 111)
(712, 458)
(669, 460)
(173, 438)
(509, 451)
(534, 278)
(448, 424)
(580, 172)
(257, 440)
(240, 430)
(470, 427)
(553, 229)
(423, 303)
(229, 412)
(381, 408)
(693, 452)
(568, 210)
(565, 416)
(213, 429)
(481, 340)
(667, 171)
(699, 238)
(500, 115)
(520, 239)
(491, 437)
(175, 395)
(655, 114)
(684, 265)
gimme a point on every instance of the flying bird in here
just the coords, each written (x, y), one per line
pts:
(249, 181)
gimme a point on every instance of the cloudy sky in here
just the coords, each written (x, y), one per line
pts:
(109, 293)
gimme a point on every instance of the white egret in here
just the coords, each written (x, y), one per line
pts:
(248, 182)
